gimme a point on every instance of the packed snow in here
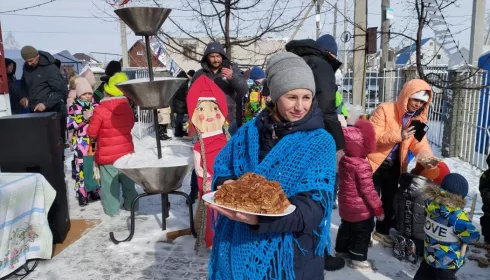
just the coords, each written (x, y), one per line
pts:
(150, 256)
(172, 155)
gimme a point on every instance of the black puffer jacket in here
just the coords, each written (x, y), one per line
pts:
(14, 92)
(179, 105)
(409, 204)
(44, 84)
(234, 89)
(321, 65)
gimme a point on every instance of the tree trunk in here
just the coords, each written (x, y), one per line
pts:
(227, 28)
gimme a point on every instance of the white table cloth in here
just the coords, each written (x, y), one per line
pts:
(25, 200)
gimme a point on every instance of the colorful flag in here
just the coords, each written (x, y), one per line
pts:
(118, 2)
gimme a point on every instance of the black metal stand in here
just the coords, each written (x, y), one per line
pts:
(165, 214)
(26, 269)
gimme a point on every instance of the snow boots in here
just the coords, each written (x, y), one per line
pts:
(162, 132)
(333, 263)
(404, 249)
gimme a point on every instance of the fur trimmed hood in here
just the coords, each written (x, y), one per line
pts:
(440, 196)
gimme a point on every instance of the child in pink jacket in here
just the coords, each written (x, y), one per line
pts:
(359, 202)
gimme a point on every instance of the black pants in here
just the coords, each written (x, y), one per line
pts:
(194, 185)
(179, 125)
(386, 183)
(353, 238)
(485, 227)
(427, 272)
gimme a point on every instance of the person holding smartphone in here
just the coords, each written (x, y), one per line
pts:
(400, 127)
(217, 66)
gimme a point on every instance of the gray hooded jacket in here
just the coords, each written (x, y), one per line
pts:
(234, 89)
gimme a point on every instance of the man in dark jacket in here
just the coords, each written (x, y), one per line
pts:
(42, 86)
(14, 93)
(323, 65)
(229, 78)
(320, 56)
(179, 105)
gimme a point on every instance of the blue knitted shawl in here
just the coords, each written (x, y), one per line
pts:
(302, 161)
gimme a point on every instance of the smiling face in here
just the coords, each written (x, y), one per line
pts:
(295, 104)
(207, 116)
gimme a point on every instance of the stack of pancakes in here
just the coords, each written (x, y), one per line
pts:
(253, 193)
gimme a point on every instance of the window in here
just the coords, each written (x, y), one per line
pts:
(189, 50)
(139, 53)
(438, 56)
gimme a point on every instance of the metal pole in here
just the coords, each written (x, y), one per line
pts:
(334, 31)
(359, 81)
(317, 19)
(302, 21)
(124, 44)
(345, 41)
(155, 112)
(477, 30)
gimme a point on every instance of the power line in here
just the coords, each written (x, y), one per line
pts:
(87, 17)
(27, 8)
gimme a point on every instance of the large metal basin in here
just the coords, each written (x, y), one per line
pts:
(158, 175)
(148, 94)
(144, 21)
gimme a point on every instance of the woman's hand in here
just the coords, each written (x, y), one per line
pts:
(225, 182)
(236, 216)
(407, 133)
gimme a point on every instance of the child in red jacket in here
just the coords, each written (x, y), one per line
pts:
(111, 125)
(359, 202)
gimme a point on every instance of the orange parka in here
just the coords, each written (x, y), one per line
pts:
(388, 119)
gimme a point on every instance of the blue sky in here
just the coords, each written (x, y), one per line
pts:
(83, 26)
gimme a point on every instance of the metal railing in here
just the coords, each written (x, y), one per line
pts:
(143, 125)
(459, 114)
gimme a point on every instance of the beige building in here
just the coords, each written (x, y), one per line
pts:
(254, 54)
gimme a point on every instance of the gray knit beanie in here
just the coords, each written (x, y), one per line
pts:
(28, 52)
(286, 71)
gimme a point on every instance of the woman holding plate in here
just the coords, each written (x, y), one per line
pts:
(285, 143)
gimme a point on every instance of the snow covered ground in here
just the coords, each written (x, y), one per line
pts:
(149, 256)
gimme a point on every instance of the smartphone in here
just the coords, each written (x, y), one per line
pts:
(420, 129)
(226, 64)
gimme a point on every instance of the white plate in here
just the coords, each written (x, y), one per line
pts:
(209, 198)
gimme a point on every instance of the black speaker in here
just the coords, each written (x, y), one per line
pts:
(31, 143)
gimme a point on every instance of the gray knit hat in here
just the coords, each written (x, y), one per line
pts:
(286, 71)
(28, 52)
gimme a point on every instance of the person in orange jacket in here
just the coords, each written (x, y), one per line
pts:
(394, 139)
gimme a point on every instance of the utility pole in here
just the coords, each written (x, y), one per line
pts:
(387, 63)
(318, 5)
(360, 28)
(477, 30)
(302, 21)
(124, 44)
(334, 31)
(345, 41)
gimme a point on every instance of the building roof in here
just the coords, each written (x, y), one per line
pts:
(404, 54)
(85, 57)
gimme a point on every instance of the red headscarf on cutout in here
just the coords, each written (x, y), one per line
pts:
(204, 87)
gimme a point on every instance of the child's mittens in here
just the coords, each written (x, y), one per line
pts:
(379, 213)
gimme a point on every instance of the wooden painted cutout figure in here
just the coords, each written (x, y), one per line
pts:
(207, 110)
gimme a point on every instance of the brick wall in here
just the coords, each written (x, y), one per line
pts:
(137, 56)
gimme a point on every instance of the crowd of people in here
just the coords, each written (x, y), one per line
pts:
(288, 124)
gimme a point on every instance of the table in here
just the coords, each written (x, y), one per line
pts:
(25, 199)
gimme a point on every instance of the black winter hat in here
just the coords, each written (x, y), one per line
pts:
(112, 68)
(455, 183)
